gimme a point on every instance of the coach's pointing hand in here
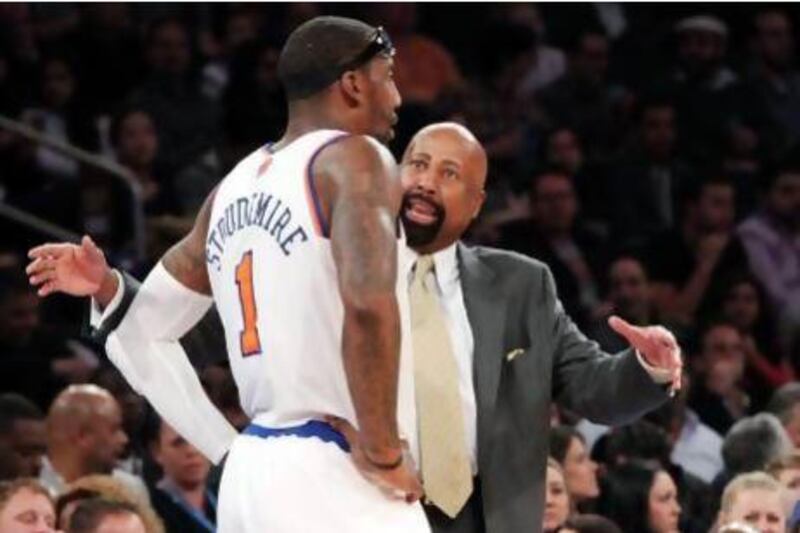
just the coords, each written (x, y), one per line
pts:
(400, 481)
(656, 345)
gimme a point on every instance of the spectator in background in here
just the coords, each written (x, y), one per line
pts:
(568, 448)
(771, 238)
(547, 63)
(741, 301)
(96, 515)
(502, 116)
(107, 44)
(786, 471)
(755, 499)
(23, 440)
(35, 360)
(241, 29)
(651, 180)
(629, 297)
(640, 498)
(644, 442)
(19, 37)
(785, 404)
(255, 108)
(774, 80)
(187, 122)
(84, 436)
(135, 141)
(556, 499)
(584, 100)
(60, 114)
(717, 395)
(720, 394)
(564, 152)
(26, 507)
(695, 446)
(685, 263)
(424, 69)
(181, 497)
(703, 88)
(109, 489)
(752, 444)
(589, 523)
(134, 408)
(106, 488)
(575, 256)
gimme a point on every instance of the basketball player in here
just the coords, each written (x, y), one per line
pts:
(298, 248)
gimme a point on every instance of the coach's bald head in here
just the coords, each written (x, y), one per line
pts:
(444, 173)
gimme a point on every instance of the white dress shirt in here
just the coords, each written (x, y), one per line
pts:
(698, 449)
(448, 286)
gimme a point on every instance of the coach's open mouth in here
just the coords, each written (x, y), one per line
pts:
(421, 210)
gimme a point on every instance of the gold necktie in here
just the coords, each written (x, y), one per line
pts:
(445, 464)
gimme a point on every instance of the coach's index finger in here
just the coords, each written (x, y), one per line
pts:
(49, 249)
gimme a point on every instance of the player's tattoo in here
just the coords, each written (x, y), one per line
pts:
(363, 195)
(186, 260)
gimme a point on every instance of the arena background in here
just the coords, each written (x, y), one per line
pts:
(646, 152)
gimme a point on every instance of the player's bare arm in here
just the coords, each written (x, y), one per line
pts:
(361, 192)
(186, 260)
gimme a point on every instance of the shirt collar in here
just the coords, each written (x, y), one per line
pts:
(445, 261)
(50, 477)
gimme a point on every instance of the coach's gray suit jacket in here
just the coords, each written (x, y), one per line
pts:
(512, 305)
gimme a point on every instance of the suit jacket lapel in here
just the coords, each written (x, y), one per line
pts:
(487, 318)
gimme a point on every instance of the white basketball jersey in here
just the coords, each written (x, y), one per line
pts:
(275, 285)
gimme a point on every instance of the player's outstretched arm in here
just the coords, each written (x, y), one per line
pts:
(361, 194)
(144, 345)
(178, 282)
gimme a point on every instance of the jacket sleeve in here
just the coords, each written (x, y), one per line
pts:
(604, 388)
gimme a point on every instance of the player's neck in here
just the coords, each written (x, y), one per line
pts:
(307, 117)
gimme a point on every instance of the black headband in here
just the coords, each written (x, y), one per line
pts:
(318, 79)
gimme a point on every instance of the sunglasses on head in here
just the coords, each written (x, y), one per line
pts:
(379, 43)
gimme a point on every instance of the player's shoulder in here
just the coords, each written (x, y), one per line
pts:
(349, 151)
(505, 262)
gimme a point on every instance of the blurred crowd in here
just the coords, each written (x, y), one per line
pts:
(649, 154)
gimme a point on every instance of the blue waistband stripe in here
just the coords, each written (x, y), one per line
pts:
(312, 428)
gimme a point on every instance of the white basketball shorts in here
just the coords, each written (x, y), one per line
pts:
(299, 484)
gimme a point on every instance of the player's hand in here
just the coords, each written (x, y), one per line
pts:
(77, 270)
(656, 345)
(401, 482)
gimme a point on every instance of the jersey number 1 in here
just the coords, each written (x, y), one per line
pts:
(248, 339)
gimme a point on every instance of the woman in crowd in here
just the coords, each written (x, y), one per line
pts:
(640, 498)
(742, 302)
(106, 488)
(556, 503)
(26, 507)
(568, 448)
(755, 499)
(589, 523)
